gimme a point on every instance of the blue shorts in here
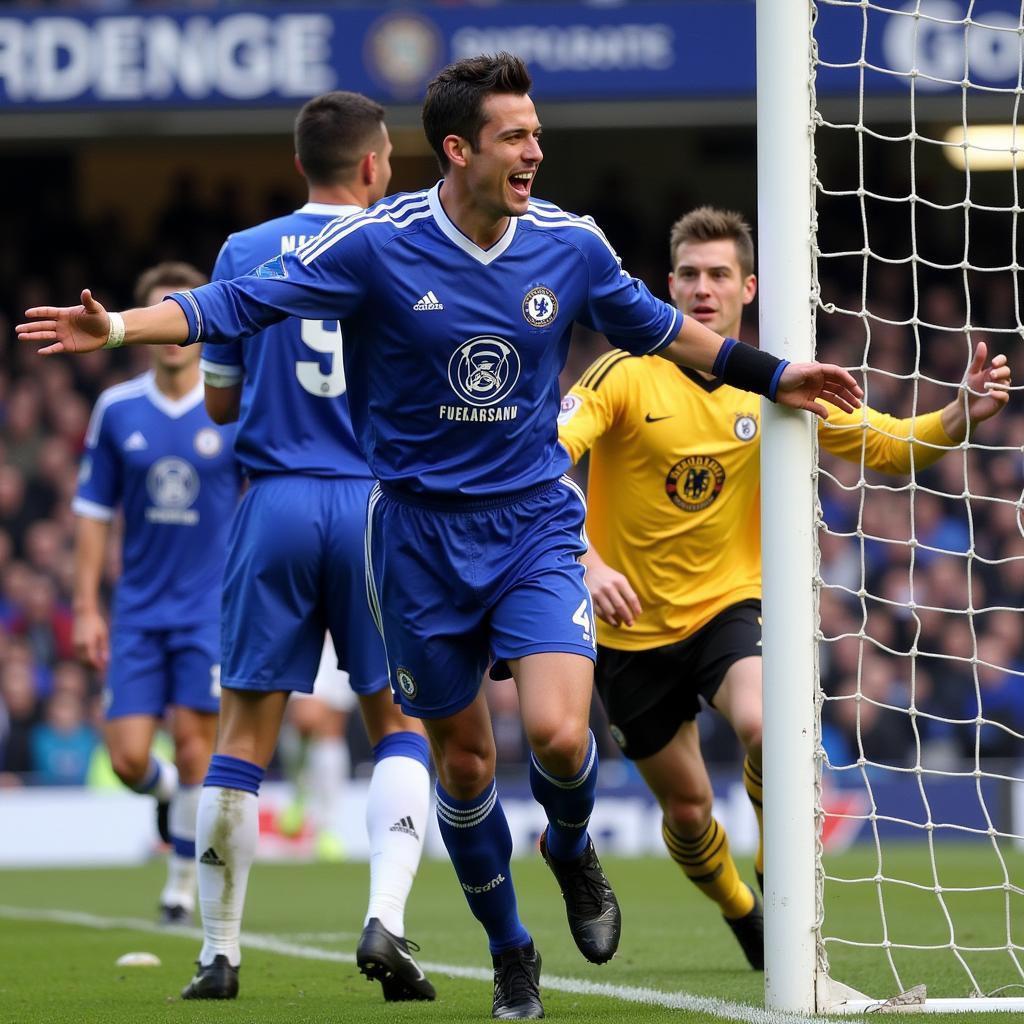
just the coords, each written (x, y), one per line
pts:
(153, 669)
(454, 588)
(295, 570)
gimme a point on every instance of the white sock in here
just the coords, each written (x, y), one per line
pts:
(167, 784)
(162, 784)
(397, 807)
(180, 890)
(328, 770)
(227, 829)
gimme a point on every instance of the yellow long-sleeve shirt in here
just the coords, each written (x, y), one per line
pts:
(674, 487)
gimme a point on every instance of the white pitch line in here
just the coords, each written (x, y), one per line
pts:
(708, 1005)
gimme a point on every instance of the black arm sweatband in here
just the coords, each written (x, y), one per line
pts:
(746, 367)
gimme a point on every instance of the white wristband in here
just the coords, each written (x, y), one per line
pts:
(115, 336)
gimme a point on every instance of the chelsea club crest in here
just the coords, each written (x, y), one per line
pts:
(540, 307)
(207, 442)
(406, 682)
(745, 427)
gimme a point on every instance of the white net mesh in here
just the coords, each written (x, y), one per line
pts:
(921, 576)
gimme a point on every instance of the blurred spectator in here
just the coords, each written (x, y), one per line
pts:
(22, 429)
(864, 718)
(15, 513)
(44, 622)
(18, 695)
(998, 703)
(6, 551)
(70, 419)
(935, 527)
(71, 677)
(1008, 573)
(45, 547)
(15, 581)
(56, 470)
(63, 742)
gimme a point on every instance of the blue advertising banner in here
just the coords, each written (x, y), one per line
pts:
(638, 51)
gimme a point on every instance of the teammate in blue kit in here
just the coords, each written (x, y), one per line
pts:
(295, 569)
(152, 449)
(457, 305)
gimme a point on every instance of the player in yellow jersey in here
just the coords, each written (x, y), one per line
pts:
(674, 565)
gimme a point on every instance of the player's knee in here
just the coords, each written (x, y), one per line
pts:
(749, 734)
(560, 747)
(688, 814)
(130, 766)
(464, 773)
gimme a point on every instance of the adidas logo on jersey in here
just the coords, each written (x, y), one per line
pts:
(405, 825)
(135, 442)
(211, 857)
(428, 301)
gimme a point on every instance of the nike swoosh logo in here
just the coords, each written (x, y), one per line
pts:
(655, 419)
(402, 953)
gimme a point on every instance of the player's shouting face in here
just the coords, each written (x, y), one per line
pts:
(708, 284)
(500, 171)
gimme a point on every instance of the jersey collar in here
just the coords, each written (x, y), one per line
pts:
(330, 209)
(710, 386)
(453, 234)
(175, 408)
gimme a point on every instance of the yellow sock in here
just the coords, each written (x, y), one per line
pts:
(754, 785)
(707, 863)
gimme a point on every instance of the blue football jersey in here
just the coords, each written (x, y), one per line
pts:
(294, 414)
(452, 352)
(174, 473)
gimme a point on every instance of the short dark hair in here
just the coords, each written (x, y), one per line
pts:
(333, 132)
(172, 275)
(455, 98)
(709, 224)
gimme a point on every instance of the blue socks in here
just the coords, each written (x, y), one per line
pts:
(480, 846)
(234, 773)
(403, 744)
(568, 804)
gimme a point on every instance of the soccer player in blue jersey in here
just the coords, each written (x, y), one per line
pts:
(152, 449)
(295, 569)
(457, 305)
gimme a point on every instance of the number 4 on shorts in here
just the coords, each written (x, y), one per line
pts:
(582, 618)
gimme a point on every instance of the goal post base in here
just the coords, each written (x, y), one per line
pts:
(837, 999)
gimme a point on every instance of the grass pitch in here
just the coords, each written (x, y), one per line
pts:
(305, 920)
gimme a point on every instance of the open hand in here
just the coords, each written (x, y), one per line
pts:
(801, 383)
(988, 387)
(82, 328)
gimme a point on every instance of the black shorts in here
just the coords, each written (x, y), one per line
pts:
(649, 694)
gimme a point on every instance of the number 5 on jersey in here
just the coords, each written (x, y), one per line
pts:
(318, 337)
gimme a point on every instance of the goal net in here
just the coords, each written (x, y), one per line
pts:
(911, 127)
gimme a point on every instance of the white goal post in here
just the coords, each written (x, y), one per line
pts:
(943, 45)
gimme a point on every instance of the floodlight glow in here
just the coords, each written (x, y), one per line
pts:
(989, 147)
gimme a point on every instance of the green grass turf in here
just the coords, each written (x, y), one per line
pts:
(672, 941)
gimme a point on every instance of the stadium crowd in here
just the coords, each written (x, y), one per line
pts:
(970, 666)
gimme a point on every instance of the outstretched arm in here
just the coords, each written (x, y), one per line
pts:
(884, 442)
(794, 384)
(88, 326)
